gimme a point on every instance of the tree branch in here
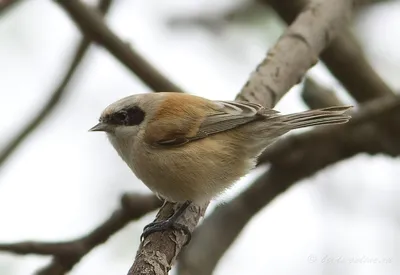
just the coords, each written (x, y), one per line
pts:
(302, 155)
(92, 25)
(67, 254)
(272, 79)
(286, 63)
(54, 98)
(344, 57)
(159, 250)
(296, 51)
(305, 154)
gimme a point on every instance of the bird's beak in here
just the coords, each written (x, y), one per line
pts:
(103, 127)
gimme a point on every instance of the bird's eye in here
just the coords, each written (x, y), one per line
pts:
(128, 117)
(121, 117)
(135, 116)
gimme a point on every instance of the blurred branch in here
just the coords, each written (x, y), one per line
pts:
(214, 22)
(67, 254)
(286, 63)
(361, 134)
(364, 3)
(346, 61)
(316, 96)
(244, 12)
(92, 25)
(344, 57)
(302, 155)
(55, 96)
(6, 5)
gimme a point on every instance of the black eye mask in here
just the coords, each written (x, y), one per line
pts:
(128, 117)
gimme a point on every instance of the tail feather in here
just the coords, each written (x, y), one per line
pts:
(330, 115)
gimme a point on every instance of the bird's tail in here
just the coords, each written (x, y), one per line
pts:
(330, 115)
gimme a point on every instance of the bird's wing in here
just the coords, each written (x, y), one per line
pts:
(225, 116)
(232, 114)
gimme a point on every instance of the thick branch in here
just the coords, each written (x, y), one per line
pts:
(344, 57)
(92, 25)
(302, 155)
(295, 52)
(55, 97)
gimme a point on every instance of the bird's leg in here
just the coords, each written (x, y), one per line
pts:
(169, 224)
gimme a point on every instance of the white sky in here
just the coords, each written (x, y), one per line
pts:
(64, 181)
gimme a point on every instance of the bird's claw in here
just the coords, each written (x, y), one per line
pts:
(164, 226)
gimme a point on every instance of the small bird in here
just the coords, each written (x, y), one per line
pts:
(188, 149)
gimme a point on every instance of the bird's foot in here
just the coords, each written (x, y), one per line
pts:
(166, 225)
(169, 224)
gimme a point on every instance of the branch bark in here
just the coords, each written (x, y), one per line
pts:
(296, 51)
(158, 251)
(344, 57)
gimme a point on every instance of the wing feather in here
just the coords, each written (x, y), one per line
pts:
(232, 114)
(226, 115)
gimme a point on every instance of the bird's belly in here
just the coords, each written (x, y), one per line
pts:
(194, 172)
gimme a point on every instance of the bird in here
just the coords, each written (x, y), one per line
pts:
(189, 149)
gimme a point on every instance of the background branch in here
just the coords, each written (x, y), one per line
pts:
(67, 254)
(55, 96)
(316, 96)
(7, 5)
(92, 25)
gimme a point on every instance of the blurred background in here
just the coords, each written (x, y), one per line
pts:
(63, 181)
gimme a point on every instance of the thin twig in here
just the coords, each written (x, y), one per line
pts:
(55, 97)
(133, 207)
(92, 25)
